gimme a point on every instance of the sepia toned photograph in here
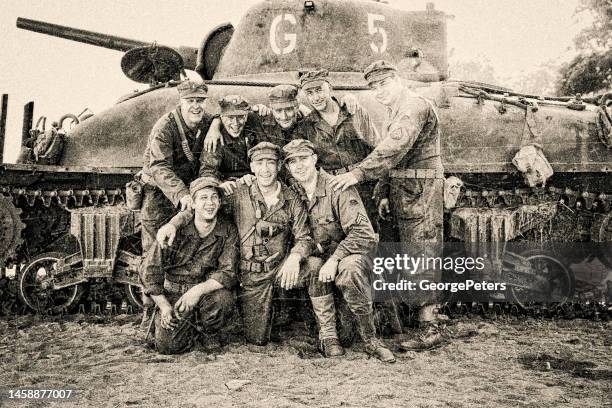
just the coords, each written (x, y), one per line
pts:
(289, 203)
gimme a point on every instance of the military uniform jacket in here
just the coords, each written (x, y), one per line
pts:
(165, 163)
(348, 142)
(288, 218)
(231, 160)
(275, 133)
(411, 139)
(339, 222)
(193, 259)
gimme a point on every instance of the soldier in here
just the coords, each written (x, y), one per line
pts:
(341, 139)
(240, 131)
(343, 135)
(274, 240)
(191, 281)
(410, 152)
(343, 235)
(281, 121)
(171, 163)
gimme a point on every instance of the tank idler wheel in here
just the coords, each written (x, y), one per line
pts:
(549, 281)
(36, 285)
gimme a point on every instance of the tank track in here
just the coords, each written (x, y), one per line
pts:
(578, 203)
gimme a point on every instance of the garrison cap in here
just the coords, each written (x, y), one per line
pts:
(234, 105)
(282, 96)
(264, 150)
(311, 79)
(298, 147)
(202, 183)
(378, 70)
(192, 89)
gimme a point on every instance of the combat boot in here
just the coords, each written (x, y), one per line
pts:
(373, 345)
(430, 337)
(430, 313)
(325, 311)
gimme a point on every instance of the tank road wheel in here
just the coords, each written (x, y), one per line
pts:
(545, 280)
(10, 228)
(134, 297)
(601, 231)
(36, 285)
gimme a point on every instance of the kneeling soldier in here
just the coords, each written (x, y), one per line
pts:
(191, 281)
(344, 235)
(274, 239)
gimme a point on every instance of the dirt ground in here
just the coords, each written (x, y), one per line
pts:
(502, 363)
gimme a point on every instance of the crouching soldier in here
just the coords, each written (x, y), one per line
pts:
(275, 248)
(343, 235)
(191, 280)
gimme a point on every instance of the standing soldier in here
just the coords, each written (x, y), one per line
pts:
(171, 163)
(274, 240)
(410, 153)
(343, 235)
(341, 139)
(191, 281)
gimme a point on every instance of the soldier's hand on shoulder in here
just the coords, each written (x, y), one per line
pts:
(165, 235)
(213, 138)
(186, 203)
(343, 181)
(262, 110)
(247, 179)
(228, 187)
(349, 101)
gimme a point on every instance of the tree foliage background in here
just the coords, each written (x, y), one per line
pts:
(591, 70)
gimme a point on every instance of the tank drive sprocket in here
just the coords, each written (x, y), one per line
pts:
(10, 229)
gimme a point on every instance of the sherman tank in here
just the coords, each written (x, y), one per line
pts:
(519, 168)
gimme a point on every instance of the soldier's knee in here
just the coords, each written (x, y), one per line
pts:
(216, 308)
(312, 265)
(351, 268)
(224, 299)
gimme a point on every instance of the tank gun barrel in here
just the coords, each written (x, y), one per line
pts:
(112, 42)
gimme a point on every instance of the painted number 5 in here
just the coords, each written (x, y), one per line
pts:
(290, 38)
(373, 29)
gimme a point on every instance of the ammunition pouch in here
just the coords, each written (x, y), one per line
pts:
(260, 251)
(530, 161)
(177, 288)
(134, 192)
(266, 229)
(259, 266)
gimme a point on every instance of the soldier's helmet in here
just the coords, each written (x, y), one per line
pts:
(202, 183)
(264, 150)
(282, 96)
(192, 89)
(297, 148)
(234, 105)
(378, 70)
(310, 79)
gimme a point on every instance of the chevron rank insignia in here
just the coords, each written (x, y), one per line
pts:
(361, 219)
